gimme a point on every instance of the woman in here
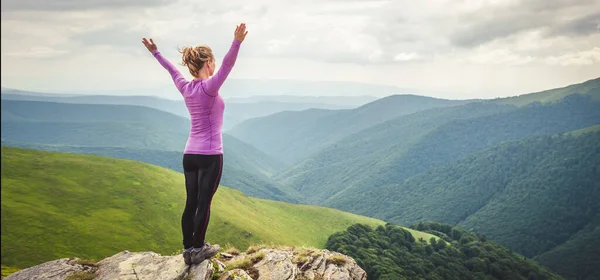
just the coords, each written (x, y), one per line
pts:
(203, 155)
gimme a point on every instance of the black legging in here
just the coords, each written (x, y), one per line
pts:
(202, 177)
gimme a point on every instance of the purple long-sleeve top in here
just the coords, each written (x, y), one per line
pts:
(204, 103)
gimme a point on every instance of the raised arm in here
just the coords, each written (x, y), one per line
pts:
(215, 82)
(178, 79)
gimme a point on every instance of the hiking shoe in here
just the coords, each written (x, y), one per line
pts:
(187, 255)
(206, 252)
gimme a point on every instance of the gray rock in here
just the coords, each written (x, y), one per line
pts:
(149, 265)
(265, 264)
(276, 264)
(235, 274)
(144, 265)
(52, 270)
(291, 264)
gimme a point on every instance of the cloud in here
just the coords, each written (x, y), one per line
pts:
(588, 57)
(511, 18)
(499, 56)
(62, 5)
(406, 56)
(36, 53)
(358, 33)
(580, 26)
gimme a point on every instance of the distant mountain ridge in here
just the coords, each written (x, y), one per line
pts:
(236, 110)
(292, 136)
(589, 87)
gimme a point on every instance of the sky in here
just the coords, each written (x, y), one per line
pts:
(453, 49)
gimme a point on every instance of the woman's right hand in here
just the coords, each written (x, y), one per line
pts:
(240, 32)
(149, 45)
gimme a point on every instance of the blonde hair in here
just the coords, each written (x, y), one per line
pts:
(195, 57)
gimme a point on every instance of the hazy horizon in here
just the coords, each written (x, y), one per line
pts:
(446, 49)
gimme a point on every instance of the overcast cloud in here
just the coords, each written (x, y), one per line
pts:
(483, 48)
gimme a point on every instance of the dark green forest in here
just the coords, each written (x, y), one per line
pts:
(406, 146)
(361, 155)
(579, 257)
(390, 252)
(453, 140)
(529, 195)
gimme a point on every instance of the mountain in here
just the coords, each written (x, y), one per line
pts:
(254, 88)
(175, 107)
(591, 87)
(341, 101)
(578, 257)
(87, 113)
(390, 252)
(236, 109)
(553, 190)
(65, 205)
(359, 157)
(529, 195)
(92, 125)
(237, 112)
(241, 88)
(12, 91)
(406, 146)
(292, 136)
(451, 165)
(130, 132)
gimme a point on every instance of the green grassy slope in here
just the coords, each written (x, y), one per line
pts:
(64, 205)
(130, 132)
(236, 175)
(291, 136)
(579, 257)
(590, 87)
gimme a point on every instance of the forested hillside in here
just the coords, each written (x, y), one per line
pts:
(389, 252)
(292, 136)
(453, 140)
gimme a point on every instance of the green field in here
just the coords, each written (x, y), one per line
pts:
(64, 205)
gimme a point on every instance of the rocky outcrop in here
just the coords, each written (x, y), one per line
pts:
(256, 264)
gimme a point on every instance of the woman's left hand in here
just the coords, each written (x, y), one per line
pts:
(149, 45)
